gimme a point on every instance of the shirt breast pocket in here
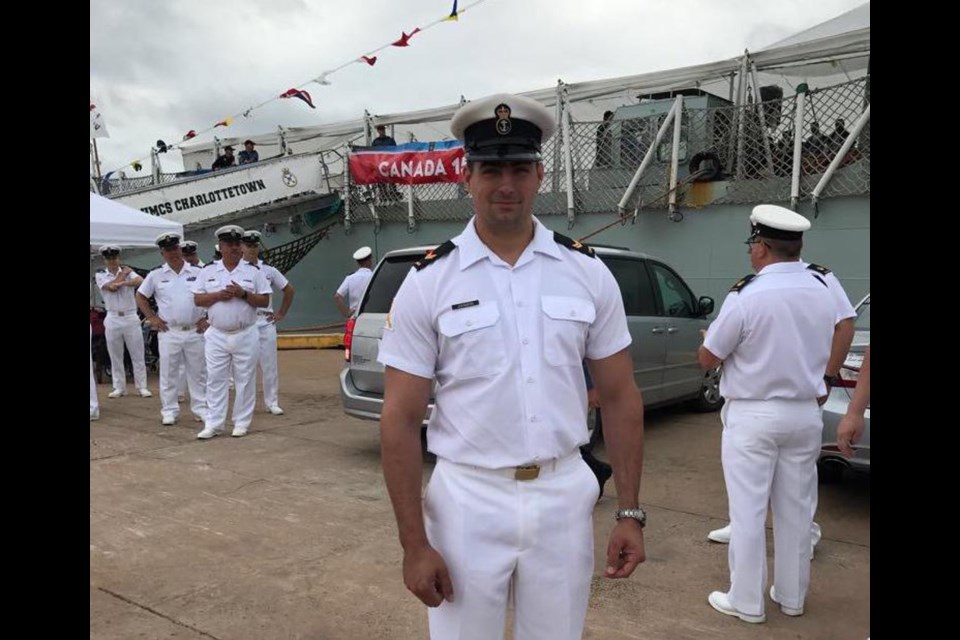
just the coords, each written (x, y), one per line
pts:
(472, 343)
(566, 321)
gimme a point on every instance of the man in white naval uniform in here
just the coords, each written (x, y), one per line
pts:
(178, 332)
(842, 338)
(189, 250)
(122, 325)
(502, 317)
(231, 289)
(267, 321)
(348, 293)
(773, 335)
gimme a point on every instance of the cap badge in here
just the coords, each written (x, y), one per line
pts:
(503, 119)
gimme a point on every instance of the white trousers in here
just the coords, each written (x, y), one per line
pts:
(182, 351)
(94, 403)
(125, 330)
(226, 353)
(497, 534)
(268, 363)
(769, 454)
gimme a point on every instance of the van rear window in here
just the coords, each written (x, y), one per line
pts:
(386, 281)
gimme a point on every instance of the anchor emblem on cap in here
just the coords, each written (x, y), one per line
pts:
(503, 119)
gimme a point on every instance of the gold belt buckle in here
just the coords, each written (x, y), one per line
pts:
(527, 472)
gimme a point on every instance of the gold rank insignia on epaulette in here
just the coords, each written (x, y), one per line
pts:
(744, 281)
(576, 245)
(433, 255)
(821, 270)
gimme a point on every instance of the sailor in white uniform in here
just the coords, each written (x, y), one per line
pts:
(178, 332)
(122, 326)
(267, 321)
(773, 335)
(502, 317)
(232, 290)
(351, 289)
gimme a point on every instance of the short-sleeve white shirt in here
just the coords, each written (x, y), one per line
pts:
(506, 346)
(173, 294)
(774, 335)
(229, 315)
(353, 285)
(120, 300)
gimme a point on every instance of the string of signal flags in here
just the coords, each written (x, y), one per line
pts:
(369, 58)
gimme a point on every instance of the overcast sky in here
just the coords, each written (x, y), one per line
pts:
(159, 68)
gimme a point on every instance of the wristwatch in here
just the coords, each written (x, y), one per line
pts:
(637, 514)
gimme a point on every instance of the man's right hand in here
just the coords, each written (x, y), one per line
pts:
(158, 323)
(425, 574)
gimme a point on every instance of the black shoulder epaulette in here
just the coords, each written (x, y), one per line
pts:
(433, 255)
(253, 264)
(576, 245)
(744, 281)
(101, 270)
(821, 270)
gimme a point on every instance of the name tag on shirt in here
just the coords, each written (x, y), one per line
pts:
(464, 305)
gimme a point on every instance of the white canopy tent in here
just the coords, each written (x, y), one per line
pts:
(115, 223)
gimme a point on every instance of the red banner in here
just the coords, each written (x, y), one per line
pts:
(407, 167)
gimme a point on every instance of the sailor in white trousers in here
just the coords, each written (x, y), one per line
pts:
(773, 335)
(122, 324)
(189, 250)
(179, 334)
(232, 290)
(267, 321)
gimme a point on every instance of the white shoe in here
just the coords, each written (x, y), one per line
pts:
(207, 433)
(168, 420)
(721, 535)
(239, 432)
(116, 393)
(94, 415)
(197, 418)
(787, 611)
(145, 393)
(721, 602)
(275, 410)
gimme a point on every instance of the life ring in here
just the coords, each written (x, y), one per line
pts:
(711, 172)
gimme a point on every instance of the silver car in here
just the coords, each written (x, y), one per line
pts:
(832, 464)
(663, 316)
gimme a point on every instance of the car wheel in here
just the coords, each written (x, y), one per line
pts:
(830, 470)
(709, 398)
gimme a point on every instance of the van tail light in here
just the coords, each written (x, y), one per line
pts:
(348, 338)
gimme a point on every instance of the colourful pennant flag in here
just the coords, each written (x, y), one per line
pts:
(189, 134)
(370, 61)
(404, 40)
(298, 93)
(226, 122)
(453, 14)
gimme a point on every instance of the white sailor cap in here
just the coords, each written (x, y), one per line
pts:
(503, 127)
(230, 232)
(777, 223)
(251, 236)
(188, 246)
(109, 250)
(362, 253)
(168, 240)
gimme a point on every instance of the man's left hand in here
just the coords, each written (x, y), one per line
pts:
(625, 549)
(275, 317)
(202, 325)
